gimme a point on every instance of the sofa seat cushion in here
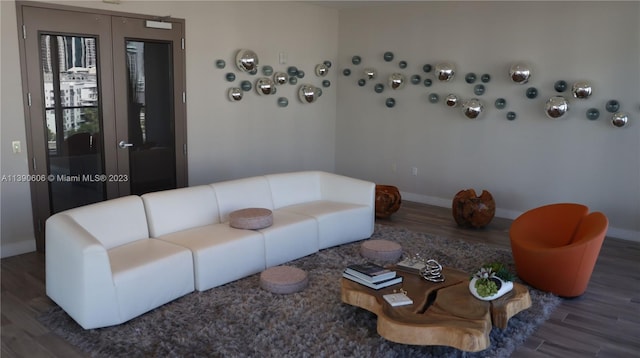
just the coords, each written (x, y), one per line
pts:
(338, 223)
(164, 269)
(251, 218)
(290, 237)
(221, 254)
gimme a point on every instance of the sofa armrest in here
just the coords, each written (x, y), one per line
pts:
(345, 189)
(78, 272)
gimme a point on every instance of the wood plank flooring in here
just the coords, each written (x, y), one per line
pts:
(604, 322)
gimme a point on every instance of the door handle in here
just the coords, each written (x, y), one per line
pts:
(124, 145)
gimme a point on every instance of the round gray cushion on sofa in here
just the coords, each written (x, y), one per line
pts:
(251, 218)
(283, 279)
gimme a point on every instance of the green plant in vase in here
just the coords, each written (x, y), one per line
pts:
(491, 281)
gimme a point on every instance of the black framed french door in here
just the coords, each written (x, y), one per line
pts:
(104, 103)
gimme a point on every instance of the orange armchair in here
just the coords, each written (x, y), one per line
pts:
(555, 247)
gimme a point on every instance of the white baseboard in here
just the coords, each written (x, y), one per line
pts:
(17, 248)
(617, 233)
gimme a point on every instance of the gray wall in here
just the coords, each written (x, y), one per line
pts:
(525, 163)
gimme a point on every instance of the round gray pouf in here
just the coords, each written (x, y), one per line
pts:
(383, 250)
(284, 279)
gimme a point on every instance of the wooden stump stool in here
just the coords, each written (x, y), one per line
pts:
(388, 200)
(470, 210)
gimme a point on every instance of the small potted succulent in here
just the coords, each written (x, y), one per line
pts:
(491, 281)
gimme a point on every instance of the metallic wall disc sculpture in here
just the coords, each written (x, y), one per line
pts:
(280, 78)
(235, 94)
(308, 93)
(556, 107)
(322, 70)
(472, 108)
(369, 73)
(265, 86)
(520, 72)
(620, 119)
(247, 60)
(396, 80)
(451, 100)
(445, 71)
(581, 89)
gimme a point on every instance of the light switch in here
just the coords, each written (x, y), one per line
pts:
(17, 146)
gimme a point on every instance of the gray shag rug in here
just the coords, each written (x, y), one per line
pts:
(240, 319)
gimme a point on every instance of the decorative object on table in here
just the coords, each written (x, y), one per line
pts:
(388, 56)
(356, 60)
(556, 107)
(378, 88)
(520, 73)
(412, 263)
(388, 200)
(426, 68)
(491, 281)
(283, 102)
(220, 63)
(346, 72)
(511, 115)
(246, 85)
(432, 271)
(470, 210)
(300, 74)
(230, 76)
(531, 92)
(416, 79)
(434, 98)
(390, 102)
(485, 78)
(396, 299)
(381, 250)
(427, 82)
(402, 64)
(501, 103)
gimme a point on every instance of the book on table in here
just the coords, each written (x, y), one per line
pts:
(374, 285)
(370, 272)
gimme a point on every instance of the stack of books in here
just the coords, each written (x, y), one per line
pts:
(371, 275)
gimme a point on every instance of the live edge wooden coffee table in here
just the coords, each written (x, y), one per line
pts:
(442, 313)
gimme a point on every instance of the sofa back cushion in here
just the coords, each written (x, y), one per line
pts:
(113, 222)
(294, 188)
(244, 193)
(174, 210)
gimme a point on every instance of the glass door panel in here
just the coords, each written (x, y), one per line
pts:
(72, 121)
(150, 116)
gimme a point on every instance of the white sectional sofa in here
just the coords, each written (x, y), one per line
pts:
(112, 261)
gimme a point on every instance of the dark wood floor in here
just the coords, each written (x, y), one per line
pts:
(604, 322)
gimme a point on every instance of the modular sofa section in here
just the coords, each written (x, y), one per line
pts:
(102, 268)
(189, 217)
(291, 236)
(343, 207)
